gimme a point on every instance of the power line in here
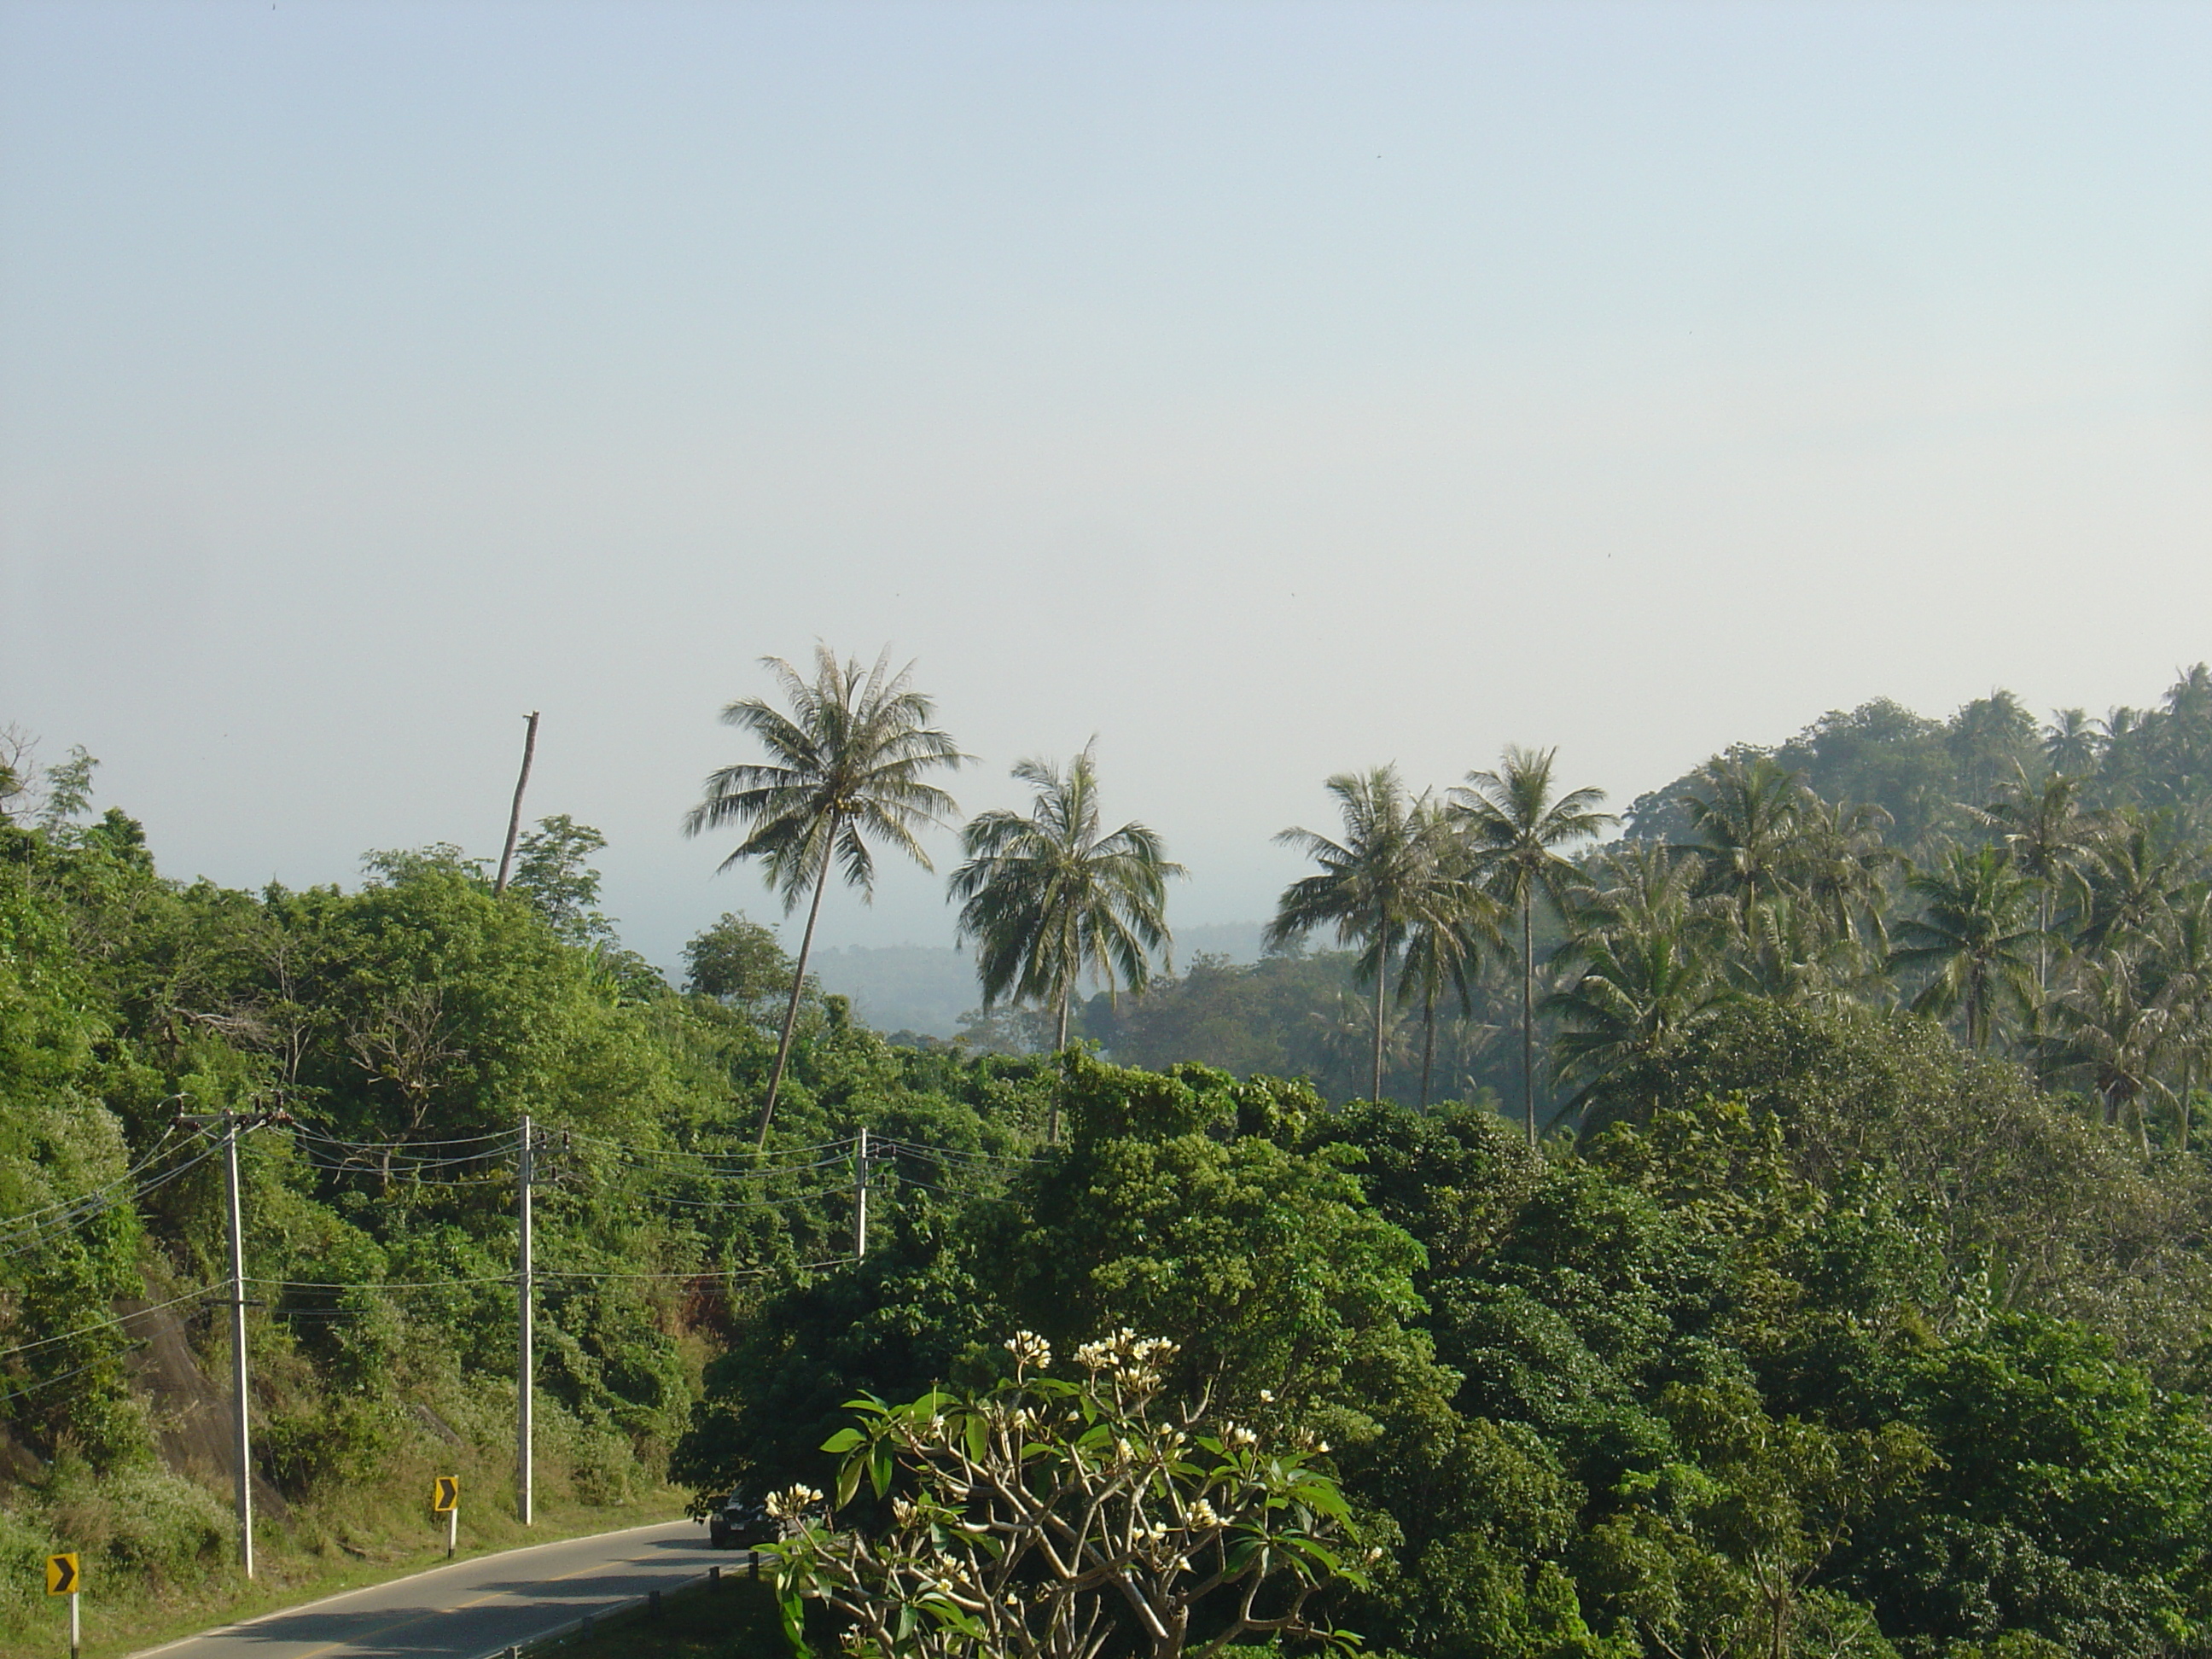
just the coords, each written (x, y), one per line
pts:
(310, 1131)
(707, 1163)
(720, 1177)
(379, 1285)
(123, 1180)
(103, 1324)
(25, 1241)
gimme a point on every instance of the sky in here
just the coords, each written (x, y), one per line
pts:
(1268, 390)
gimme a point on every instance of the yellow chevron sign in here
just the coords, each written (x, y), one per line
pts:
(62, 1574)
(446, 1494)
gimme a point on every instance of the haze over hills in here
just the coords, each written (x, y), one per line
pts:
(926, 988)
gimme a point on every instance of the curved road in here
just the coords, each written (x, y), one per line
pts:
(473, 1608)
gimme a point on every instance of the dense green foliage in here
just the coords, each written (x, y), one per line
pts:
(1686, 1389)
(1857, 1304)
(402, 1030)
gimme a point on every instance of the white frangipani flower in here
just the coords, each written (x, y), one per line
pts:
(793, 1503)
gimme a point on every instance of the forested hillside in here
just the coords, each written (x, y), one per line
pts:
(1854, 1302)
(2043, 884)
(397, 1035)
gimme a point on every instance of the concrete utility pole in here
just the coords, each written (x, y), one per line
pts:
(860, 1199)
(234, 1124)
(524, 1381)
(241, 1427)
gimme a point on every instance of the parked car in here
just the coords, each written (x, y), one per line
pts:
(739, 1522)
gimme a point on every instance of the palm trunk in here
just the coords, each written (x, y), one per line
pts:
(1428, 1045)
(2188, 1082)
(2042, 948)
(798, 984)
(1529, 1013)
(1382, 982)
(1052, 1114)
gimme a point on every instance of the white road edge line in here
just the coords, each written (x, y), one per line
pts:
(386, 1583)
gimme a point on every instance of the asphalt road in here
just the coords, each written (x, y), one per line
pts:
(473, 1608)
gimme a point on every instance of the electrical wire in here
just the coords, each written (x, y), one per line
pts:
(712, 1164)
(385, 1285)
(310, 1131)
(744, 1203)
(10, 1393)
(25, 1241)
(123, 1180)
(104, 1324)
(696, 1273)
(951, 1157)
(321, 1158)
(33, 1230)
(736, 1175)
(931, 1187)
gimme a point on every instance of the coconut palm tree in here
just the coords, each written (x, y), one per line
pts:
(2044, 831)
(1048, 896)
(2112, 1028)
(2069, 742)
(1638, 991)
(2130, 871)
(1515, 826)
(1749, 816)
(1369, 883)
(1643, 955)
(846, 765)
(1843, 868)
(1451, 924)
(2184, 950)
(1974, 937)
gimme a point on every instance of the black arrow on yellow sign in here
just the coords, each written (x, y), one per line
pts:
(61, 1574)
(446, 1494)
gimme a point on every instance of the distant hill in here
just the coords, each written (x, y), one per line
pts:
(901, 987)
(926, 988)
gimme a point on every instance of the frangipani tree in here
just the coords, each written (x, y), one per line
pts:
(1047, 1517)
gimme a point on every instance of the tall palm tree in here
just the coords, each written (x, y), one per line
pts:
(2129, 872)
(1749, 816)
(846, 765)
(1368, 883)
(1638, 991)
(1515, 826)
(1974, 937)
(1049, 897)
(1843, 866)
(2069, 742)
(2182, 948)
(1643, 947)
(1450, 924)
(2111, 1027)
(2189, 699)
(2044, 831)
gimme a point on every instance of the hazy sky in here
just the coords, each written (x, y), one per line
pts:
(1271, 389)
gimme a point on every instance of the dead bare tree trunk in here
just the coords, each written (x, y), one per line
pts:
(514, 817)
